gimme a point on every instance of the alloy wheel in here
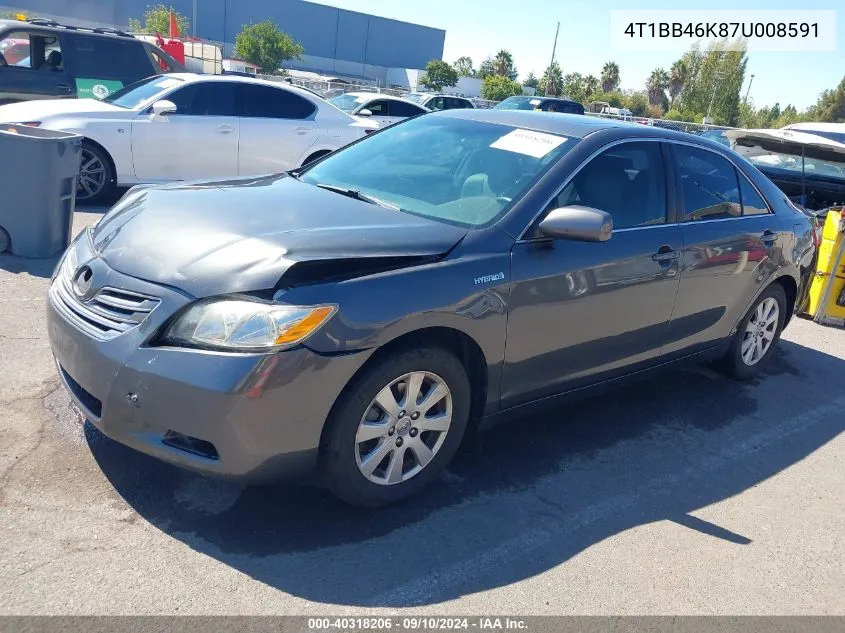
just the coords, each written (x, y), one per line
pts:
(92, 176)
(403, 428)
(760, 331)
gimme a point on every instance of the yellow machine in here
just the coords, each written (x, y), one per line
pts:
(827, 292)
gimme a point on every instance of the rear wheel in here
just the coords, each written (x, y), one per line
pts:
(757, 334)
(397, 428)
(96, 180)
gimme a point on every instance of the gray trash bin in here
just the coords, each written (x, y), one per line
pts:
(37, 189)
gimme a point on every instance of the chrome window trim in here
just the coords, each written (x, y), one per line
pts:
(651, 139)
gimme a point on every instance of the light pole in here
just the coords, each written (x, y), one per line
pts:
(716, 77)
(750, 81)
(554, 48)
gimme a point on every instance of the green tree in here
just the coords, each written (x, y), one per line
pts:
(610, 77)
(437, 75)
(656, 85)
(615, 99)
(830, 107)
(673, 115)
(714, 76)
(497, 88)
(677, 79)
(463, 66)
(551, 83)
(157, 20)
(591, 87)
(531, 81)
(266, 46)
(486, 69)
(573, 86)
(503, 65)
(637, 103)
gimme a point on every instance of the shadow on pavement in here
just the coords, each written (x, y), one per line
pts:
(525, 497)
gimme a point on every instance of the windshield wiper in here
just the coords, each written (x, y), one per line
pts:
(357, 195)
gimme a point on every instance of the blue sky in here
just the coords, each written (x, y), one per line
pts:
(479, 28)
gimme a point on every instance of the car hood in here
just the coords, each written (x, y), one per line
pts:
(38, 110)
(794, 142)
(243, 235)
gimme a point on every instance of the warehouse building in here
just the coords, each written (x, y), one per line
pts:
(336, 41)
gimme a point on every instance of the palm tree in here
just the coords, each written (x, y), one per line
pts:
(677, 79)
(503, 63)
(610, 77)
(658, 82)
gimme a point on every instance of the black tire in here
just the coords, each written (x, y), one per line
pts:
(338, 463)
(107, 193)
(315, 156)
(733, 362)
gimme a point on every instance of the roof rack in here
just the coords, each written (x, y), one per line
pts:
(102, 30)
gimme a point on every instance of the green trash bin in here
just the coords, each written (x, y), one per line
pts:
(37, 189)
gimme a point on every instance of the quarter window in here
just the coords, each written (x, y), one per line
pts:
(752, 202)
(627, 181)
(709, 186)
(399, 108)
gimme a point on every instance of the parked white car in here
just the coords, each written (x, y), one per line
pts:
(185, 126)
(384, 109)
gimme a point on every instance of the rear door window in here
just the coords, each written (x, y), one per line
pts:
(265, 102)
(437, 103)
(113, 58)
(709, 185)
(402, 109)
(32, 50)
(378, 108)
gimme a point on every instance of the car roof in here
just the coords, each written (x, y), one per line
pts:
(194, 77)
(809, 125)
(373, 96)
(543, 98)
(58, 27)
(574, 125)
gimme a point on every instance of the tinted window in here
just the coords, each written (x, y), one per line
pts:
(378, 108)
(752, 202)
(709, 188)
(437, 103)
(572, 108)
(271, 103)
(208, 98)
(400, 108)
(121, 59)
(22, 49)
(460, 171)
(627, 181)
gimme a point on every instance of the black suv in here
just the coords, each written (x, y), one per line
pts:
(40, 59)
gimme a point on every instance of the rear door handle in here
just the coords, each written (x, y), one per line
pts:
(302, 130)
(769, 237)
(225, 129)
(665, 254)
(64, 88)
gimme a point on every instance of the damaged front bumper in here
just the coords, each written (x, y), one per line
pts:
(253, 416)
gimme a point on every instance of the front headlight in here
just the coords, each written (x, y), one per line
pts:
(246, 326)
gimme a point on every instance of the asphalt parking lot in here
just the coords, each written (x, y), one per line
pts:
(686, 494)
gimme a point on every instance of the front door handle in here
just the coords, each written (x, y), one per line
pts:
(769, 238)
(301, 130)
(665, 254)
(225, 129)
(63, 88)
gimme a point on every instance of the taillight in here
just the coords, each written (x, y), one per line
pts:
(817, 234)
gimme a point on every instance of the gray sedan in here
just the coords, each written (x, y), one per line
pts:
(357, 316)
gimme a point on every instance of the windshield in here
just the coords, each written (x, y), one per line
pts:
(518, 103)
(790, 162)
(133, 95)
(346, 102)
(456, 170)
(419, 97)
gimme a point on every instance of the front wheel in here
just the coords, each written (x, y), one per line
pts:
(757, 334)
(395, 430)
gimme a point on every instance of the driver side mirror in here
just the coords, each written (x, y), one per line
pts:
(365, 112)
(163, 108)
(583, 224)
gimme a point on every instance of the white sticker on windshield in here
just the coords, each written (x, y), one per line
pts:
(528, 142)
(535, 102)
